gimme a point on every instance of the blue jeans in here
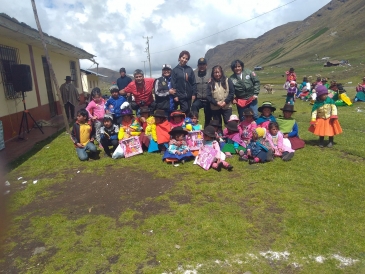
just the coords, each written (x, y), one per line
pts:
(81, 152)
(253, 106)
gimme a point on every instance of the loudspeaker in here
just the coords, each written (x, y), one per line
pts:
(22, 77)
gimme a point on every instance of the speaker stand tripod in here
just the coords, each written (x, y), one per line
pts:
(25, 119)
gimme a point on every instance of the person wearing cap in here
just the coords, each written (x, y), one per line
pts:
(266, 116)
(141, 88)
(220, 93)
(113, 104)
(109, 134)
(183, 82)
(360, 91)
(70, 97)
(324, 120)
(289, 127)
(164, 93)
(246, 88)
(124, 80)
(200, 99)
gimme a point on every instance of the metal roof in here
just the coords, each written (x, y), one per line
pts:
(92, 72)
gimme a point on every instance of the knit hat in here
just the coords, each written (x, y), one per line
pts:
(233, 117)
(321, 90)
(232, 126)
(261, 132)
(113, 88)
(266, 105)
(108, 117)
(292, 82)
(209, 131)
(166, 66)
(125, 109)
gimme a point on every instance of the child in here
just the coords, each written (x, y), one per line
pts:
(192, 123)
(178, 149)
(248, 125)
(304, 87)
(324, 120)
(258, 148)
(290, 76)
(218, 132)
(129, 125)
(266, 115)
(234, 143)
(144, 113)
(83, 135)
(177, 119)
(109, 134)
(275, 138)
(112, 106)
(163, 128)
(291, 91)
(289, 127)
(96, 111)
(209, 141)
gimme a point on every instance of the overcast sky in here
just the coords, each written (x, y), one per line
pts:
(113, 29)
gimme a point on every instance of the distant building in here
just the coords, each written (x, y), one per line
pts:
(331, 63)
(21, 44)
(258, 68)
(90, 80)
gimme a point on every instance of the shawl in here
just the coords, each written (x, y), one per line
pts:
(162, 131)
(69, 94)
(285, 125)
(263, 119)
(318, 103)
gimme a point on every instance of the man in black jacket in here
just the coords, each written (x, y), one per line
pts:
(200, 97)
(183, 82)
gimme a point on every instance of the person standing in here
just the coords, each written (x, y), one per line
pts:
(124, 80)
(164, 94)
(141, 88)
(183, 82)
(247, 88)
(200, 99)
(70, 97)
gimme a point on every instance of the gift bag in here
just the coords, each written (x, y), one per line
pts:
(205, 157)
(131, 146)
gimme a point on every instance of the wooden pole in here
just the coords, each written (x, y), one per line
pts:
(53, 75)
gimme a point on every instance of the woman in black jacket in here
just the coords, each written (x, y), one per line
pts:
(183, 82)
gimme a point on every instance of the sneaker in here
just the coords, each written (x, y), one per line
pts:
(330, 144)
(243, 159)
(321, 145)
(288, 156)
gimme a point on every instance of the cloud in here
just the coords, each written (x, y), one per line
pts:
(113, 29)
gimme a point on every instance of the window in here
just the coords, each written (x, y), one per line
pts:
(8, 57)
(74, 73)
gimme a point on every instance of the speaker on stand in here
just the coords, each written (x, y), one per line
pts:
(22, 82)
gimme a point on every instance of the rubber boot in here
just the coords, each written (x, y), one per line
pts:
(321, 140)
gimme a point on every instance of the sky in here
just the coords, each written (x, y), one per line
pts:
(113, 30)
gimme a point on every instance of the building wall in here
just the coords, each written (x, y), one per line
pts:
(37, 99)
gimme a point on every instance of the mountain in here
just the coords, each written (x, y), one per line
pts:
(112, 75)
(335, 31)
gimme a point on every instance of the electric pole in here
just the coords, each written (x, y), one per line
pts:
(144, 65)
(148, 52)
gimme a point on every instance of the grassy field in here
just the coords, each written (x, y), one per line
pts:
(301, 216)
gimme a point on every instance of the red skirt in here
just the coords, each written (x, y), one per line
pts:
(326, 127)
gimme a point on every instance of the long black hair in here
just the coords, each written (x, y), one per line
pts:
(222, 81)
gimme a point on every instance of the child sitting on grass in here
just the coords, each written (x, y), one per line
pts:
(177, 119)
(248, 125)
(191, 123)
(266, 115)
(324, 120)
(234, 143)
(178, 150)
(258, 149)
(209, 141)
(275, 138)
(109, 134)
(218, 132)
(289, 127)
(83, 135)
(163, 128)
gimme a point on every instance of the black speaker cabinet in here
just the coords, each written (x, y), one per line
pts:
(22, 77)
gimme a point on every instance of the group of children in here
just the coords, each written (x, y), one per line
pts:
(254, 141)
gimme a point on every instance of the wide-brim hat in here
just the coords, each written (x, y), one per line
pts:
(288, 108)
(321, 90)
(159, 113)
(209, 131)
(144, 109)
(177, 113)
(214, 123)
(68, 78)
(178, 130)
(232, 126)
(248, 112)
(266, 105)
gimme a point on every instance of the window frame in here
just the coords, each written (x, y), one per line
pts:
(8, 56)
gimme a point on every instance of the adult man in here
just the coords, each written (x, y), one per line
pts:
(141, 88)
(247, 88)
(124, 80)
(200, 97)
(164, 98)
(70, 97)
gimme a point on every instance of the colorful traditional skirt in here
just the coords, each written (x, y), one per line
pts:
(326, 127)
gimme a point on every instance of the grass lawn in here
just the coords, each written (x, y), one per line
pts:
(139, 215)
